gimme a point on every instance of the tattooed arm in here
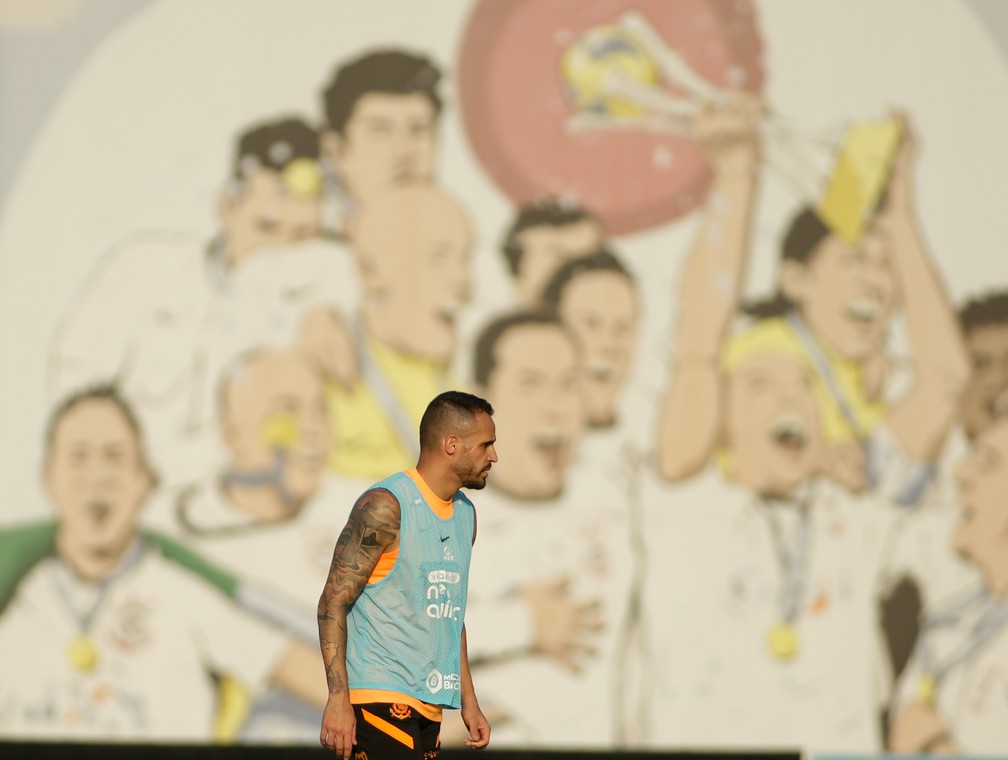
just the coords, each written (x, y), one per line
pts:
(373, 529)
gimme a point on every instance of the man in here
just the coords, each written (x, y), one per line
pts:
(596, 298)
(838, 300)
(391, 615)
(381, 112)
(542, 238)
(413, 247)
(144, 321)
(108, 632)
(272, 513)
(953, 698)
(984, 398)
(762, 577)
(984, 322)
(552, 586)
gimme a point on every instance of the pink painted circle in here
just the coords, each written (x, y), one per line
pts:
(515, 106)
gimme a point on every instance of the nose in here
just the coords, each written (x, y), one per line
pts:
(460, 281)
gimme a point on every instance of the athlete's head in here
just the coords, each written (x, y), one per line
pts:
(527, 364)
(274, 421)
(772, 423)
(542, 238)
(460, 425)
(274, 193)
(984, 322)
(845, 293)
(414, 250)
(97, 476)
(381, 114)
(982, 533)
(596, 298)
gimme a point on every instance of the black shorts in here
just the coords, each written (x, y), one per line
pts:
(395, 732)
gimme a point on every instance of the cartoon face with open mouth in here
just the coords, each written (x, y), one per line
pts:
(535, 390)
(845, 294)
(96, 477)
(773, 426)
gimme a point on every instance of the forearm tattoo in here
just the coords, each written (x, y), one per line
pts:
(372, 529)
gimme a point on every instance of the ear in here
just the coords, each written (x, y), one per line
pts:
(452, 444)
(331, 145)
(793, 281)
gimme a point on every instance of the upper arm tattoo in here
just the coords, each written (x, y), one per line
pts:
(372, 529)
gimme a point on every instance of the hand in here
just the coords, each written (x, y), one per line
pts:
(899, 196)
(844, 463)
(477, 725)
(728, 132)
(918, 728)
(339, 726)
(562, 625)
(326, 340)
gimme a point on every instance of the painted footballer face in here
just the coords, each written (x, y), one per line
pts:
(535, 390)
(389, 141)
(600, 308)
(982, 481)
(546, 248)
(266, 211)
(414, 250)
(275, 402)
(773, 431)
(98, 480)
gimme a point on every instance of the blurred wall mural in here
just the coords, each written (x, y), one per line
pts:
(732, 273)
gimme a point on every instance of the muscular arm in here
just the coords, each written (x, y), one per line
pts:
(373, 529)
(922, 419)
(709, 291)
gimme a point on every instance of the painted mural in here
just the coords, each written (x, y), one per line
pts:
(731, 273)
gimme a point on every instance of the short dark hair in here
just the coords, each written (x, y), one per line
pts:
(548, 212)
(107, 393)
(485, 349)
(450, 411)
(987, 310)
(274, 145)
(390, 72)
(805, 234)
(602, 260)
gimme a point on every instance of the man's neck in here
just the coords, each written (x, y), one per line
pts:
(444, 484)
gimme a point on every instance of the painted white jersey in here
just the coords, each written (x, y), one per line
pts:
(272, 291)
(291, 556)
(717, 581)
(582, 538)
(155, 622)
(282, 568)
(972, 692)
(139, 323)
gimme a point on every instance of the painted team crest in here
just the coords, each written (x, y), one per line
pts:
(131, 628)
